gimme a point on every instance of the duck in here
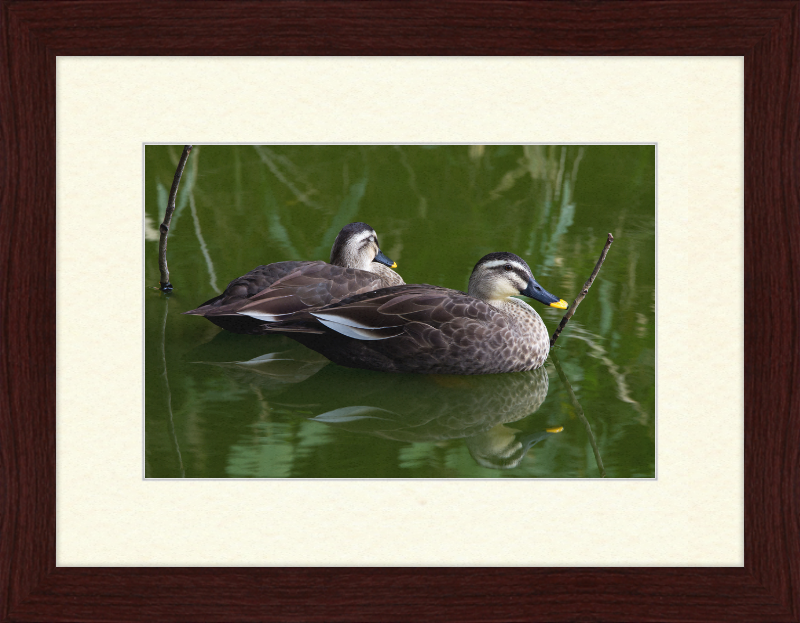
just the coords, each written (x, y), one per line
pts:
(425, 329)
(357, 265)
(419, 407)
(430, 408)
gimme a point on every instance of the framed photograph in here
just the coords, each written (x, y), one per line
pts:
(229, 394)
(44, 575)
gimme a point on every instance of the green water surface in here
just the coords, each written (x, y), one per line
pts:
(221, 405)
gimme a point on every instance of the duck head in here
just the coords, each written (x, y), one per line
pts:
(498, 276)
(356, 246)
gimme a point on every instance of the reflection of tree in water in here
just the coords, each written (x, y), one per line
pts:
(597, 351)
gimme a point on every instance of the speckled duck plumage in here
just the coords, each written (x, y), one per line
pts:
(433, 330)
(357, 265)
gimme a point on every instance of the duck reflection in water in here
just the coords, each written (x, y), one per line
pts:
(414, 408)
(503, 447)
(402, 407)
(408, 408)
(274, 371)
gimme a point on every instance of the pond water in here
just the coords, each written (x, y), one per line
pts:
(220, 405)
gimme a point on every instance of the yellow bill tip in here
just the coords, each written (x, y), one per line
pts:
(554, 429)
(394, 264)
(561, 304)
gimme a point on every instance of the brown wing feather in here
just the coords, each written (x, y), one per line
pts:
(248, 285)
(443, 331)
(304, 289)
(314, 283)
(401, 305)
(283, 288)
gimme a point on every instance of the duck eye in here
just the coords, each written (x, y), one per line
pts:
(507, 267)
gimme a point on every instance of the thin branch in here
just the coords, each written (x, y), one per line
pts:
(579, 412)
(583, 293)
(164, 284)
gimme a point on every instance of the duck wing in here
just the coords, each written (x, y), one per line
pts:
(308, 287)
(411, 328)
(243, 288)
(429, 315)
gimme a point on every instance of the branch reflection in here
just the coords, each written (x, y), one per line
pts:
(579, 412)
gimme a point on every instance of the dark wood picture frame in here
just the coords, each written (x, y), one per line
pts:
(34, 33)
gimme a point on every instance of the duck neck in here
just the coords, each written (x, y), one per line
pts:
(352, 260)
(386, 274)
(517, 311)
(360, 262)
(499, 304)
(508, 304)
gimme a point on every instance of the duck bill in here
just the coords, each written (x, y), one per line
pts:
(382, 259)
(538, 293)
(528, 440)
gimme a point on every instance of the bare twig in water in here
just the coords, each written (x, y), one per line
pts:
(583, 293)
(164, 284)
(579, 412)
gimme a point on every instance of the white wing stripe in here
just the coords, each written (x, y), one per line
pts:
(347, 321)
(354, 332)
(262, 316)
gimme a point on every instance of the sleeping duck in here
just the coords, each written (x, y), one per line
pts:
(428, 329)
(357, 265)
